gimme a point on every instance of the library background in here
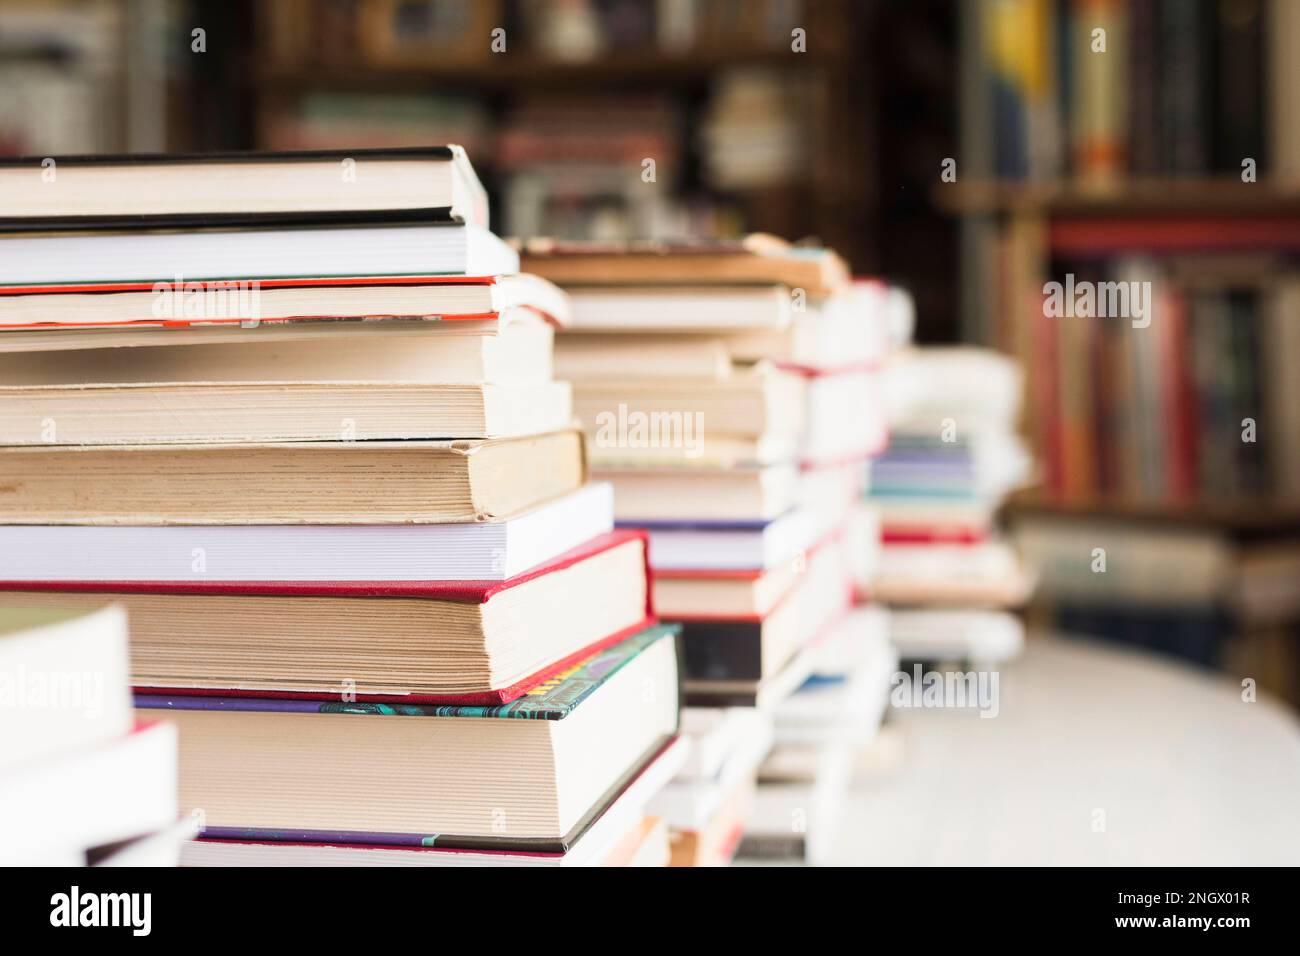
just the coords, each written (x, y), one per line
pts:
(995, 558)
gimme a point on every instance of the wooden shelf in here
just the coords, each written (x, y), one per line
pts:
(528, 71)
(1265, 514)
(1227, 196)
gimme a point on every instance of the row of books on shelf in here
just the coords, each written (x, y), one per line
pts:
(1195, 403)
(398, 608)
(1100, 89)
(578, 166)
(403, 33)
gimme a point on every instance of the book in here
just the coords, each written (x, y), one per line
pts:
(464, 642)
(173, 303)
(358, 247)
(733, 594)
(844, 417)
(115, 790)
(288, 483)
(630, 308)
(842, 703)
(68, 667)
(978, 574)
(742, 547)
(620, 818)
(1146, 564)
(796, 820)
(741, 654)
(187, 190)
(160, 848)
(717, 840)
(1282, 397)
(690, 804)
(847, 695)
(512, 348)
(976, 635)
(471, 551)
(849, 331)
(646, 844)
(739, 493)
(634, 412)
(755, 259)
(531, 775)
(596, 356)
(139, 413)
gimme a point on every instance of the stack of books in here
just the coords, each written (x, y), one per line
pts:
(709, 804)
(296, 412)
(730, 394)
(953, 457)
(81, 781)
(826, 736)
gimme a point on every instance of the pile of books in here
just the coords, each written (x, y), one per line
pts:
(953, 457)
(730, 394)
(827, 734)
(297, 414)
(80, 780)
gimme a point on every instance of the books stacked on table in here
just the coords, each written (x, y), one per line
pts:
(348, 514)
(708, 803)
(81, 781)
(729, 392)
(824, 737)
(953, 457)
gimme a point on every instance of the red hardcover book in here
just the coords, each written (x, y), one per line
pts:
(419, 642)
(1178, 398)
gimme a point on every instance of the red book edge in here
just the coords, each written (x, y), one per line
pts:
(695, 574)
(847, 599)
(917, 535)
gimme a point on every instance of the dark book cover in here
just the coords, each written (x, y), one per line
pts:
(1184, 107)
(235, 156)
(1239, 105)
(1247, 397)
(1144, 91)
(1193, 634)
(722, 650)
(166, 222)
(1210, 353)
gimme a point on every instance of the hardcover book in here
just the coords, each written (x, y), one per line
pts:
(340, 482)
(465, 642)
(203, 189)
(605, 842)
(533, 774)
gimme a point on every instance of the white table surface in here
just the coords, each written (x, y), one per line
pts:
(1184, 770)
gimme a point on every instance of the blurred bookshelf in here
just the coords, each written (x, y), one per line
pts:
(753, 130)
(562, 113)
(1107, 143)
